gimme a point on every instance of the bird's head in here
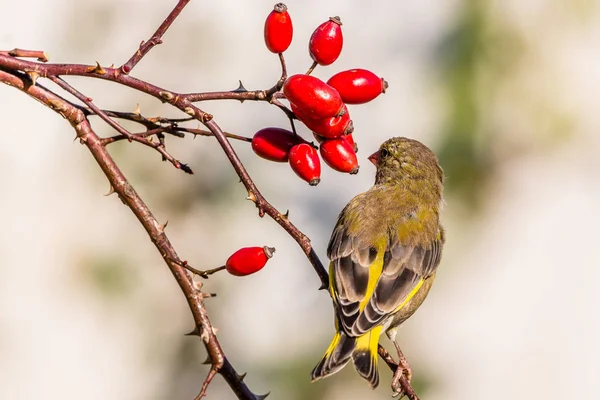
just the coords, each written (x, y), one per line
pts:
(401, 159)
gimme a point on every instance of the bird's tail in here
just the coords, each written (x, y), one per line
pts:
(362, 349)
(336, 357)
(365, 356)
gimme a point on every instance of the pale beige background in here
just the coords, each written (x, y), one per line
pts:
(87, 308)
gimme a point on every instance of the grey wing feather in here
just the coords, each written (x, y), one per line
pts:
(350, 261)
(403, 268)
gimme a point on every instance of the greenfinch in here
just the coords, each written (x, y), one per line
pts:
(384, 252)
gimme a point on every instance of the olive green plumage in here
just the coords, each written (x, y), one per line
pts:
(384, 253)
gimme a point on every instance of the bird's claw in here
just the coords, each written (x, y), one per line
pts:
(397, 388)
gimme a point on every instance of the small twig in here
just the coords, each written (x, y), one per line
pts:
(281, 80)
(211, 374)
(201, 132)
(254, 95)
(88, 101)
(149, 132)
(145, 47)
(150, 123)
(37, 54)
(160, 147)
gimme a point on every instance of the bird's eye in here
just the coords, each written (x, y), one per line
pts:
(384, 153)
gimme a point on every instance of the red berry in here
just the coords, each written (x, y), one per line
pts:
(331, 127)
(274, 144)
(339, 155)
(248, 260)
(312, 96)
(326, 42)
(304, 160)
(357, 86)
(278, 29)
(348, 138)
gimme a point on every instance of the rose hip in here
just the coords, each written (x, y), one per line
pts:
(331, 127)
(305, 162)
(339, 155)
(248, 260)
(274, 144)
(278, 29)
(312, 96)
(326, 42)
(357, 86)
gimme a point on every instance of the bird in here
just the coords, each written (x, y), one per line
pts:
(384, 253)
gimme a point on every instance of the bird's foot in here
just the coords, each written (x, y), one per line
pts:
(402, 373)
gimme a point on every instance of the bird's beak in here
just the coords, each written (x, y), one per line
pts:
(374, 158)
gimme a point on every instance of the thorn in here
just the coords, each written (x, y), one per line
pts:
(204, 336)
(137, 110)
(33, 75)
(189, 111)
(242, 376)
(185, 168)
(112, 66)
(111, 190)
(262, 396)
(286, 215)
(166, 95)
(240, 88)
(215, 330)
(208, 361)
(193, 333)
(251, 196)
(198, 286)
(208, 295)
(97, 69)
(161, 228)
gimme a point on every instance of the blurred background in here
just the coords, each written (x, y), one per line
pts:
(504, 91)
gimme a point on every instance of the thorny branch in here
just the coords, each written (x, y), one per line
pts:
(23, 75)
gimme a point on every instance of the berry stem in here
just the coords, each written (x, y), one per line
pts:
(312, 68)
(205, 274)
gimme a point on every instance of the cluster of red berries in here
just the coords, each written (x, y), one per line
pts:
(320, 106)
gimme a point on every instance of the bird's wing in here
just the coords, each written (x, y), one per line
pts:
(368, 285)
(405, 267)
(349, 274)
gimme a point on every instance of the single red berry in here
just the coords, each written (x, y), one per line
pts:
(248, 260)
(357, 86)
(305, 162)
(312, 96)
(348, 138)
(339, 155)
(274, 144)
(326, 42)
(278, 29)
(331, 127)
